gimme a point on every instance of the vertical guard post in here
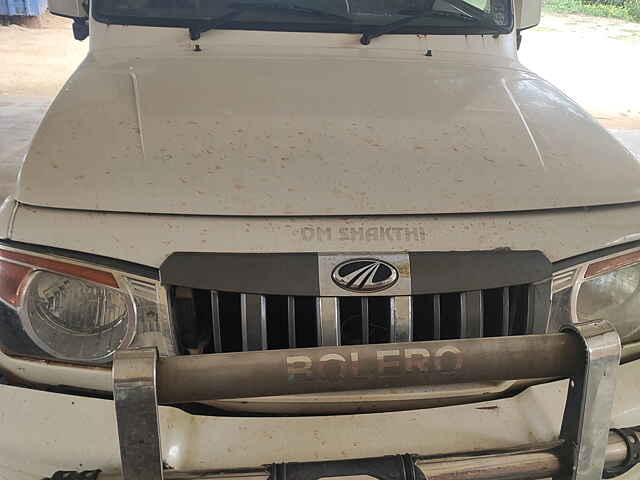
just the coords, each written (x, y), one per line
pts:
(136, 401)
(585, 424)
(587, 414)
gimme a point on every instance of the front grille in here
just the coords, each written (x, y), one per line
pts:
(216, 321)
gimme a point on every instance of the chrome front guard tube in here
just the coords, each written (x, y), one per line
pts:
(587, 414)
(587, 353)
(136, 399)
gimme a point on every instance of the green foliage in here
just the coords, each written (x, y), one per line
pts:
(623, 9)
(633, 6)
(615, 3)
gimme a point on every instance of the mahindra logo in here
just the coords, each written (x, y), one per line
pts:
(365, 275)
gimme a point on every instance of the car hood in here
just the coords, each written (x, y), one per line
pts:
(258, 134)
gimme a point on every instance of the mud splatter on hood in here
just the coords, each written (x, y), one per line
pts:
(282, 136)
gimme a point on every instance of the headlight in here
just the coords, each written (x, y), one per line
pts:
(75, 319)
(607, 288)
(72, 311)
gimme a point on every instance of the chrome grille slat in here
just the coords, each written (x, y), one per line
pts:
(215, 319)
(471, 318)
(401, 319)
(505, 311)
(291, 321)
(365, 320)
(243, 322)
(436, 317)
(328, 319)
(530, 310)
(254, 322)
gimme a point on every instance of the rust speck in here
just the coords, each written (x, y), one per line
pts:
(404, 270)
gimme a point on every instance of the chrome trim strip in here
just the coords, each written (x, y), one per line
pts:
(531, 300)
(436, 317)
(471, 316)
(291, 320)
(401, 319)
(506, 314)
(328, 317)
(563, 280)
(575, 289)
(215, 318)
(254, 322)
(365, 320)
(167, 327)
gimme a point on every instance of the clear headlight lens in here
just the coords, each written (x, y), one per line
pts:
(74, 319)
(613, 296)
(606, 289)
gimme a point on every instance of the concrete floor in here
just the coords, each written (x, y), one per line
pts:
(19, 119)
(589, 59)
(20, 116)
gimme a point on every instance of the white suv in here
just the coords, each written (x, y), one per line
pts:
(315, 239)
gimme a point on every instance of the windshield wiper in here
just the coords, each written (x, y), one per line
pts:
(466, 13)
(240, 7)
(198, 27)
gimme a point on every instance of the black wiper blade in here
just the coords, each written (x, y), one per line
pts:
(289, 7)
(239, 7)
(200, 26)
(467, 13)
(393, 26)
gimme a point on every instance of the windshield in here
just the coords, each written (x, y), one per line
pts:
(339, 16)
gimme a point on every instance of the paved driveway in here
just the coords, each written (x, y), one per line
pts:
(19, 118)
(593, 60)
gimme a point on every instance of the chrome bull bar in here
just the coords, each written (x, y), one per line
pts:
(587, 353)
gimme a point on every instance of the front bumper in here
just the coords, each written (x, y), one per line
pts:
(46, 432)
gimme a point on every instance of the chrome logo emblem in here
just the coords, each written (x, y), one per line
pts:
(365, 275)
